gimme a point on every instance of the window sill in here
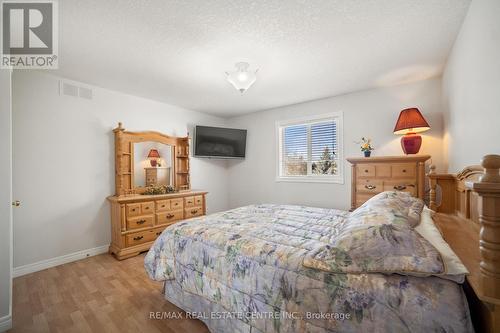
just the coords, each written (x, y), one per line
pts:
(333, 180)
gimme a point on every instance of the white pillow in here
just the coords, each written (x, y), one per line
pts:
(454, 269)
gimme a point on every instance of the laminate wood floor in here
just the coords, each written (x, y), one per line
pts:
(97, 294)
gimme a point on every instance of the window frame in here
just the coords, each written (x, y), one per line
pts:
(311, 178)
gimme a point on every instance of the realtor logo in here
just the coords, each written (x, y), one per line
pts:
(29, 35)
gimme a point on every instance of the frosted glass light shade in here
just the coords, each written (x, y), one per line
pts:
(242, 78)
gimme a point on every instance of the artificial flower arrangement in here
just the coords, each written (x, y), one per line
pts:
(159, 189)
(366, 146)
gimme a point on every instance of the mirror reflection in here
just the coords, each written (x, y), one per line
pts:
(152, 164)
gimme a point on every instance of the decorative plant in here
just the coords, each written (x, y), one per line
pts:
(161, 189)
(366, 144)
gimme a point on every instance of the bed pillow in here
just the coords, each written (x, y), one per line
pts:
(384, 248)
(378, 238)
(377, 215)
(454, 268)
(395, 203)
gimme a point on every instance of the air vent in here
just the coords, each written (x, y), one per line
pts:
(69, 89)
(74, 89)
(85, 92)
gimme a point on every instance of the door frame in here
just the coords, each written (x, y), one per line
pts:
(6, 185)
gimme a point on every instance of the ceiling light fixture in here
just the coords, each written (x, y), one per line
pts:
(242, 78)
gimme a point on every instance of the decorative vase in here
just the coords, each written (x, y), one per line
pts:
(367, 153)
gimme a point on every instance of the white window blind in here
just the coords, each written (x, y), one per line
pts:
(309, 149)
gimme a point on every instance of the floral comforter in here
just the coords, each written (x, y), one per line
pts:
(277, 268)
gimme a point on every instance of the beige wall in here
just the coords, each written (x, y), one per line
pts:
(471, 88)
(371, 113)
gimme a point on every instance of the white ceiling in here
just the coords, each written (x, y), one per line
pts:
(177, 51)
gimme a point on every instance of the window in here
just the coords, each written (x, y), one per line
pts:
(310, 149)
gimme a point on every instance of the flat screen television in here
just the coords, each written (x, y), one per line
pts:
(218, 142)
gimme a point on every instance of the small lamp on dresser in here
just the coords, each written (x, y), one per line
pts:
(411, 122)
(153, 157)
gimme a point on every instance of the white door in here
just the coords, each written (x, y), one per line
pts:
(5, 200)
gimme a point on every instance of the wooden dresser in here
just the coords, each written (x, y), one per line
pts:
(372, 175)
(137, 220)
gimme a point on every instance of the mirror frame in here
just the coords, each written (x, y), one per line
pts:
(124, 159)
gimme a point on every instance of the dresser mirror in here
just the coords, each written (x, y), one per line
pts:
(144, 159)
(152, 164)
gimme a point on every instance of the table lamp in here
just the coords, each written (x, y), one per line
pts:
(153, 157)
(411, 122)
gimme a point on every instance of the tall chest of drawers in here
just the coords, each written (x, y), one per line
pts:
(372, 175)
(137, 220)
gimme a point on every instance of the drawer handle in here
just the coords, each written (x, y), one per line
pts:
(169, 216)
(194, 211)
(400, 187)
(404, 170)
(189, 202)
(370, 187)
(138, 238)
(158, 233)
(146, 208)
(141, 222)
(366, 170)
(133, 209)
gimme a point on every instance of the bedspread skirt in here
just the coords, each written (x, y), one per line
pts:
(362, 303)
(202, 309)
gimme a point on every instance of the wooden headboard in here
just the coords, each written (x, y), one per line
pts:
(469, 217)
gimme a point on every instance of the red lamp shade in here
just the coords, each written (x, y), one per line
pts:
(153, 153)
(153, 156)
(409, 123)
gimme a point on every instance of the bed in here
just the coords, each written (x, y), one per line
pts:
(281, 268)
(468, 214)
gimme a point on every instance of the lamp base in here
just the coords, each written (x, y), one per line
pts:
(411, 143)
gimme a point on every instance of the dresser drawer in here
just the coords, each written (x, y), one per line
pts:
(361, 198)
(140, 237)
(369, 185)
(133, 209)
(194, 211)
(147, 207)
(198, 200)
(171, 204)
(169, 217)
(176, 203)
(383, 171)
(159, 230)
(162, 205)
(401, 185)
(140, 222)
(189, 202)
(365, 170)
(404, 170)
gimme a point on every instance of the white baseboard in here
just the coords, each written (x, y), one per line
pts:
(44, 264)
(5, 323)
